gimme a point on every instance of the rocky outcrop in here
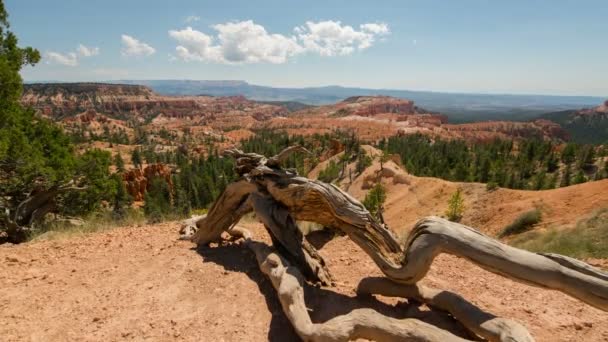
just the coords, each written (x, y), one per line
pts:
(138, 181)
(119, 101)
(372, 105)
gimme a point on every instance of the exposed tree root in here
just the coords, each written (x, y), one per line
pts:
(360, 323)
(473, 318)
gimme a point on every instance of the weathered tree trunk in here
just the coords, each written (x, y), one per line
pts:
(280, 196)
(20, 222)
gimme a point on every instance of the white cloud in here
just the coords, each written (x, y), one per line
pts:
(194, 45)
(331, 38)
(68, 59)
(85, 51)
(192, 18)
(237, 42)
(134, 47)
(247, 42)
(71, 58)
(375, 28)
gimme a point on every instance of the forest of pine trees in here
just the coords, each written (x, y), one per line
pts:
(526, 164)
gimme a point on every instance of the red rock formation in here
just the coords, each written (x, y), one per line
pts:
(138, 182)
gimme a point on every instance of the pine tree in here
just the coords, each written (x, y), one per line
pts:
(122, 200)
(455, 206)
(374, 200)
(566, 177)
(136, 158)
(119, 163)
(157, 201)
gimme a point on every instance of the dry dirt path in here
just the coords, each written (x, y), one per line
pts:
(139, 283)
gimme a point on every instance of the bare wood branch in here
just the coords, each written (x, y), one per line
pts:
(225, 212)
(285, 233)
(360, 323)
(485, 325)
(276, 161)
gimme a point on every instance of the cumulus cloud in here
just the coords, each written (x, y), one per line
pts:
(247, 42)
(68, 59)
(71, 58)
(331, 38)
(85, 51)
(133, 47)
(236, 42)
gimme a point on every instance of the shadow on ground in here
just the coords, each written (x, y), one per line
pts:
(324, 303)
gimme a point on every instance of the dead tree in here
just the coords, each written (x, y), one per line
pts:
(279, 197)
(20, 222)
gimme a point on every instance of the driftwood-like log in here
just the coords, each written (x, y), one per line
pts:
(358, 324)
(473, 318)
(281, 196)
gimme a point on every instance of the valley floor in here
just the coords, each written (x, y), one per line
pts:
(141, 283)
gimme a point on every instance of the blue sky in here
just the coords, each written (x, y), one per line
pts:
(540, 47)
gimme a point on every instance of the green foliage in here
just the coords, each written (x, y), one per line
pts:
(522, 223)
(363, 161)
(455, 206)
(374, 200)
(157, 201)
(586, 240)
(35, 154)
(119, 163)
(93, 166)
(330, 173)
(526, 164)
(136, 158)
(491, 186)
(122, 200)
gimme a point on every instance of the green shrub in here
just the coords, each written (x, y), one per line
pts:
(522, 223)
(455, 207)
(589, 239)
(330, 173)
(363, 162)
(374, 200)
(491, 186)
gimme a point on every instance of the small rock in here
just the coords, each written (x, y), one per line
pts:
(96, 319)
(12, 259)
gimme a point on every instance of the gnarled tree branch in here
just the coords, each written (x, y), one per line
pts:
(280, 197)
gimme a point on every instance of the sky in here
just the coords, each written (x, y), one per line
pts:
(475, 46)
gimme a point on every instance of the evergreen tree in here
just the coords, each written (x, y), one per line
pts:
(122, 200)
(119, 163)
(455, 206)
(157, 200)
(136, 158)
(37, 159)
(566, 176)
(374, 200)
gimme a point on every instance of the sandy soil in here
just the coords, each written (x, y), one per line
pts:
(140, 283)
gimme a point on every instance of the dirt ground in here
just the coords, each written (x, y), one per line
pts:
(140, 283)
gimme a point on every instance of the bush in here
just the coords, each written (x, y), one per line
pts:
(330, 173)
(455, 207)
(491, 186)
(587, 240)
(522, 223)
(363, 162)
(374, 200)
